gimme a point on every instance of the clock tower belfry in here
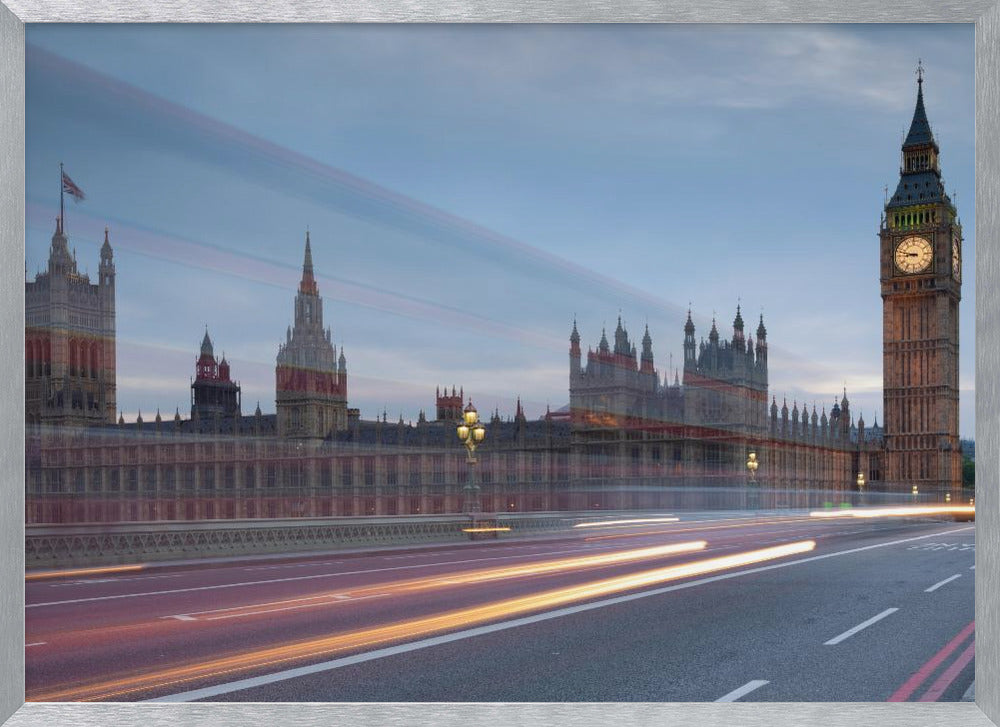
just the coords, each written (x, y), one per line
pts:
(921, 285)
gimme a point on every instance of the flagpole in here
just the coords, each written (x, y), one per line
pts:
(62, 213)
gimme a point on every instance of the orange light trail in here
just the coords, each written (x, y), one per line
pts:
(340, 597)
(896, 511)
(410, 629)
(486, 530)
(450, 580)
(40, 575)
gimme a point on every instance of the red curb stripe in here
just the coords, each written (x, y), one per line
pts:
(950, 675)
(911, 684)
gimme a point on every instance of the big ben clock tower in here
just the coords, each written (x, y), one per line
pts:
(921, 277)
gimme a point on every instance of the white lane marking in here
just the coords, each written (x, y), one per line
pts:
(37, 643)
(123, 579)
(279, 676)
(291, 608)
(290, 565)
(972, 567)
(321, 598)
(861, 626)
(941, 583)
(743, 691)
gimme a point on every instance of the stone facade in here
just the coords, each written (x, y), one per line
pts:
(634, 429)
(921, 285)
(630, 437)
(69, 340)
(310, 381)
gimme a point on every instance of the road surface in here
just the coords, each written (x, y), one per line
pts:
(706, 608)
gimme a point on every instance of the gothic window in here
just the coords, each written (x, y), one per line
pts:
(368, 464)
(169, 478)
(536, 467)
(347, 472)
(391, 471)
(486, 469)
(562, 466)
(248, 476)
(437, 462)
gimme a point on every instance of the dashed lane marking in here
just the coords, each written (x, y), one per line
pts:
(743, 691)
(860, 627)
(941, 583)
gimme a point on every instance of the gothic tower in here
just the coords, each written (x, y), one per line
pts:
(921, 281)
(213, 392)
(69, 340)
(311, 382)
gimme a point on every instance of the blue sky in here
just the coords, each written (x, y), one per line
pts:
(469, 189)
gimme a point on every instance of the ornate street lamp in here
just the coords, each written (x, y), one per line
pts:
(915, 493)
(471, 433)
(752, 465)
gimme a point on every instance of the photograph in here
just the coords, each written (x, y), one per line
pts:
(499, 363)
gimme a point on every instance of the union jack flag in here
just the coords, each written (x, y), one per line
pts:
(69, 186)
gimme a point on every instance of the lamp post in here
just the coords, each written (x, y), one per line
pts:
(915, 493)
(752, 465)
(861, 488)
(471, 433)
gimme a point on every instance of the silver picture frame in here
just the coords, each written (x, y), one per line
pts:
(986, 16)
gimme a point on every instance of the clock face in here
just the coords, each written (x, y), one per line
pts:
(956, 260)
(913, 255)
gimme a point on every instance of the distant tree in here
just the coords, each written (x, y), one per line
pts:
(969, 473)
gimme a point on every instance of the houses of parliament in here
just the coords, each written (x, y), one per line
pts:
(630, 437)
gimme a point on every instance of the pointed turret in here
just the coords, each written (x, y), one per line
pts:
(206, 345)
(60, 260)
(920, 171)
(647, 352)
(574, 351)
(308, 283)
(920, 127)
(622, 346)
(603, 345)
(713, 335)
(106, 252)
(689, 344)
(739, 341)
